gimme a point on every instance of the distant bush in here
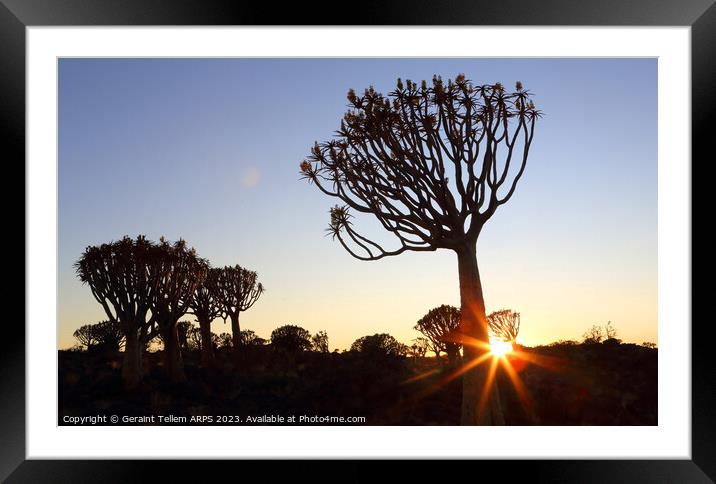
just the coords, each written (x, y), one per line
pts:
(563, 342)
(597, 334)
(291, 338)
(249, 338)
(377, 345)
(223, 340)
(648, 344)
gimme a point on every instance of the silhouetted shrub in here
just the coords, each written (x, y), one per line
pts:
(612, 341)
(249, 338)
(291, 338)
(378, 345)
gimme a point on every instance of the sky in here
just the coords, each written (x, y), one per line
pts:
(209, 150)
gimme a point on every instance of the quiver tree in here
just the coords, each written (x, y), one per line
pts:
(504, 325)
(105, 335)
(431, 163)
(108, 335)
(117, 274)
(419, 347)
(237, 289)
(206, 308)
(85, 336)
(176, 271)
(440, 326)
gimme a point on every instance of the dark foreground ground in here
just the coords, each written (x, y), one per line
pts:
(597, 384)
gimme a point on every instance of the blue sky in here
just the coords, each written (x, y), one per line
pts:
(208, 150)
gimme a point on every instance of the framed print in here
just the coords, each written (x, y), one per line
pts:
(456, 232)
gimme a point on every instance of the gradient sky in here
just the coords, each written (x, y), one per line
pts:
(208, 150)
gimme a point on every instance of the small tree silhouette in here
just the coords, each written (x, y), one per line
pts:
(206, 307)
(379, 345)
(290, 338)
(419, 347)
(432, 163)
(319, 342)
(440, 326)
(593, 335)
(504, 324)
(85, 336)
(610, 332)
(237, 289)
(249, 338)
(108, 335)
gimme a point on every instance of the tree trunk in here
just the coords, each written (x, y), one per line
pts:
(453, 354)
(132, 361)
(207, 349)
(236, 333)
(473, 325)
(173, 364)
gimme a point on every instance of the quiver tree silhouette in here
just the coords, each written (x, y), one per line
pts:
(108, 336)
(206, 307)
(118, 277)
(432, 163)
(419, 347)
(175, 271)
(504, 324)
(290, 338)
(440, 326)
(237, 289)
(85, 336)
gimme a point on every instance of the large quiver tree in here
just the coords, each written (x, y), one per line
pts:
(237, 289)
(432, 163)
(117, 276)
(175, 272)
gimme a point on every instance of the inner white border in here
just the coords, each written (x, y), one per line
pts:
(670, 439)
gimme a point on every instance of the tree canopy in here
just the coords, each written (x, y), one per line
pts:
(424, 161)
(440, 326)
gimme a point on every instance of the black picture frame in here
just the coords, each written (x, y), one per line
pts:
(15, 15)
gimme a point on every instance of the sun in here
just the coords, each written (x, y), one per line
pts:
(500, 348)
